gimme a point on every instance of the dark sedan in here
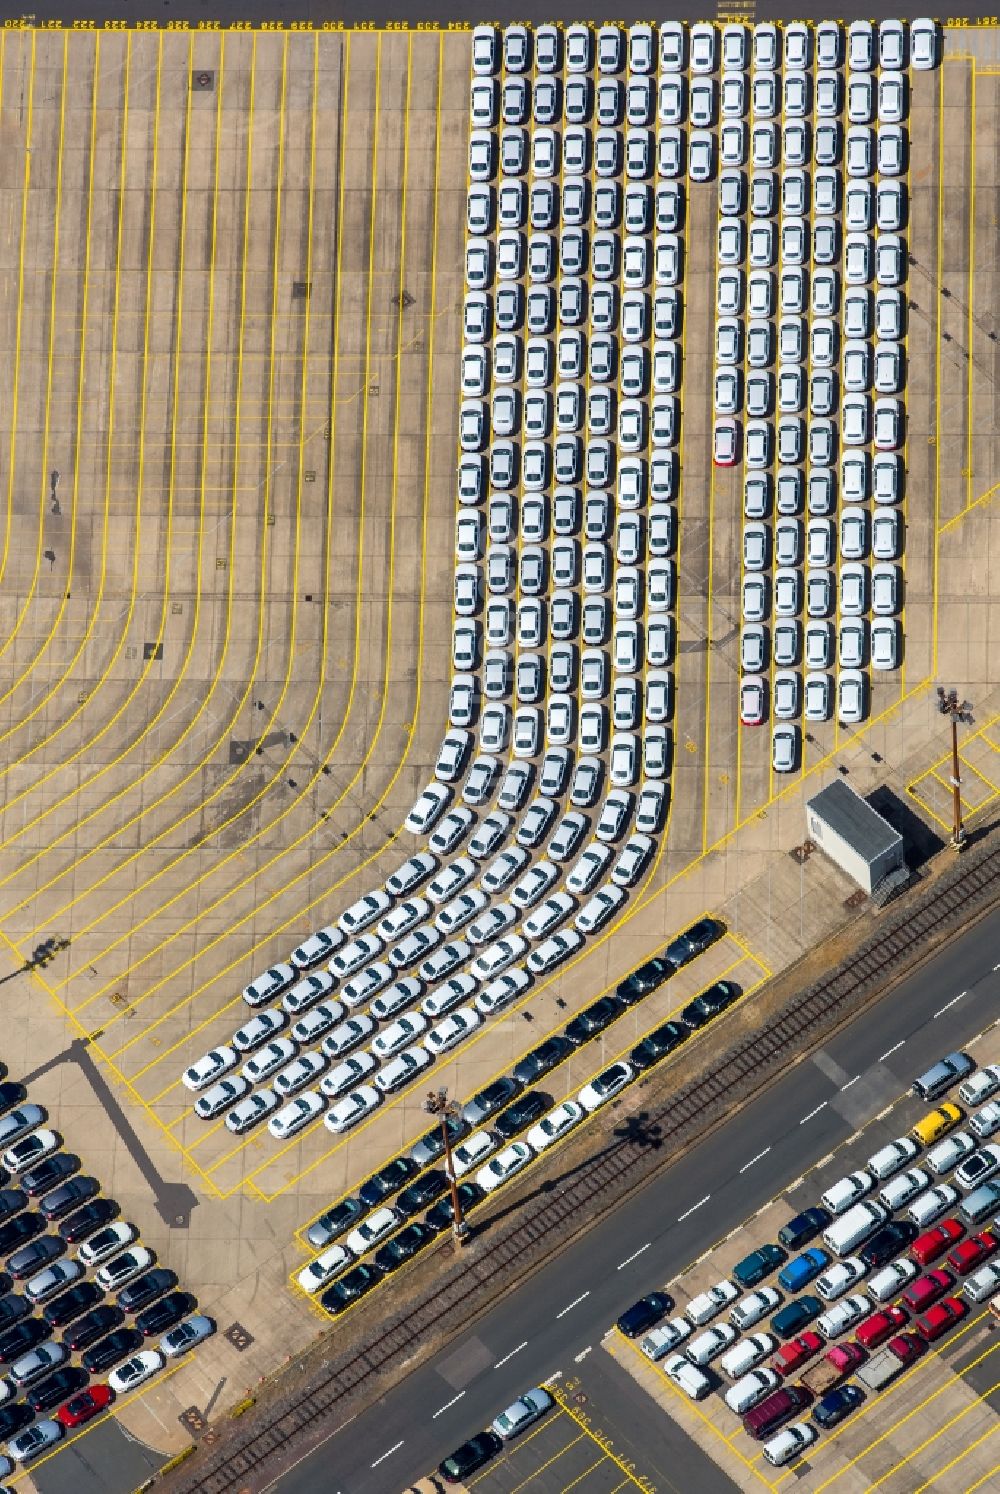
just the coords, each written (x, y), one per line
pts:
(87, 1330)
(343, 1216)
(525, 1110)
(74, 1191)
(470, 1456)
(489, 1100)
(442, 1214)
(84, 1221)
(12, 1201)
(388, 1180)
(145, 1289)
(593, 1019)
(693, 942)
(837, 1404)
(711, 1002)
(11, 1093)
(422, 1192)
(430, 1146)
(753, 1268)
(19, 1231)
(13, 1418)
(31, 1258)
(888, 1242)
(804, 1227)
(56, 1388)
(354, 1284)
(110, 1350)
(165, 1314)
(49, 1171)
(403, 1247)
(657, 1044)
(642, 1315)
(541, 1059)
(69, 1305)
(12, 1309)
(22, 1337)
(643, 980)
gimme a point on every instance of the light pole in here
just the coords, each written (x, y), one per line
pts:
(949, 705)
(437, 1103)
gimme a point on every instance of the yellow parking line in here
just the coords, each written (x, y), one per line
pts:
(959, 1458)
(941, 1428)
(987, 1478)
(548, 1463)
(611, 1456)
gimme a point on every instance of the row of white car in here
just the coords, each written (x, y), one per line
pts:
(705, 46)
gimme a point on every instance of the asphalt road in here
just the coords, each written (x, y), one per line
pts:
(563, 1309)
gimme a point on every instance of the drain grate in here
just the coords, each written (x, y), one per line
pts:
(238, 1337)
(202, 81)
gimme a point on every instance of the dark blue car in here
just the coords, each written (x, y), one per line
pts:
(796, 1316)
(752, 1269)
(804, 1227)
(803, 1268)
(837, 1404)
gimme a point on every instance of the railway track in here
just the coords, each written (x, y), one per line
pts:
(240, 1459)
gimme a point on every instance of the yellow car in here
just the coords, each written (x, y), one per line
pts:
(936, 1124)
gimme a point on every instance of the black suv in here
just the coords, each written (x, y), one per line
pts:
(146, 1289)
(404, 1246)
(648, 976)
(888, 1242)
(87, 1330)
(19, 1231)
(110, 1350)
(84, 1221)
(657, 1044)
(388, 1180)
(642, 1315)
(164, 1314)
(541, 1059)
(21, 1338)
(694, 941)
(352, 1285)
(525, 1110)
(69, 1305)
(56, 1388)
(442, 1214)
(470, 1456)
(710, 1003)
(422, 1192)
(593, 1019)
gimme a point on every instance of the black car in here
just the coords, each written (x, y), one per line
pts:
(388, 1180)
(470, 1456)
(422, 1192)
(710, 1003)
(430, 1146)
(56, 1388)
(593, 1019)
(21, 1338)
(642, 1315)
(693, 942)
(888, 1242)
(165, 1313)
(352, 1285)
(11, 1093)
(643, 980)
(404, 1246)
(48, 1172)
(837, 1404)
(442, 1214)
(110, 1350)
(12, 1309)
(69, 1305)
(19, 1230)
(541, 1059)
(145, 1289)
(84, 1221)
(525, 1110)
(31, 1258)
(804, 1227)
(753, 1268)
(343, 1216)
(12, 1201)
(489, 1100)
(74, 1191)
(657, 1044)
(13, 1418)
(87, 1330)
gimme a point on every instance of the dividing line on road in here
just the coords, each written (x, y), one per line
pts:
(575, 1303)
(890, 1051)
(389, 1454)
(633, 1257)
(747, 1165)
(942, 1009)
(687, 1212)
(447, 1405)
(809, 1117)
(501, 1362)
(849, 1083)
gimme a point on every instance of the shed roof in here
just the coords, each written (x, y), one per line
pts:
(854, 820)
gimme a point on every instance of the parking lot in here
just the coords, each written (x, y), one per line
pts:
(935, 1422)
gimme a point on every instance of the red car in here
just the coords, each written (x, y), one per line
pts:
(965, 1257)
(908, 1347)
(927, 1289)
(876, 1329)
(942, 1316)
(796, 1352)
(935, 1242)
(80, 1408)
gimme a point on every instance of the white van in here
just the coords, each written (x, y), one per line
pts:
(890, 1281)
(751, 1389)
(684, 1375)
(848, 1232)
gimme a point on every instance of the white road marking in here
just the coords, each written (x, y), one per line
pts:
(387, 1454)
(511, 1354)
(943, 1009)
(682, 1217)
(889, 1051)
(747, 1165)
(447, 1405)
(575, 1303)
(579, 1357)
(812, 1113)
(849, 1083)
(634, 1256)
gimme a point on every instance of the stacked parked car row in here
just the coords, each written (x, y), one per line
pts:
(810, 362)
(912, 1269)
(483, 1157)
(47, 1206)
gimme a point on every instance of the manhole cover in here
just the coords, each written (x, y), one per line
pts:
(238, 1337)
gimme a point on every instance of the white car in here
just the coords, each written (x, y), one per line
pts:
(840, 1278)
(106, 1243)
(667, 1336)
(703, 1308)
(682, 1373)
(843, 1316)
(124, 1268)
(606, 1085)
(948, 1153)
(296, 1116)
(453, 1030)
(932, 1204)
(373, 1231)
(555, 1125)
(710, 1344)
(504, 1165)
(352, 1109)
(887, 1284)
(204, 1071)
(756, 1305)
